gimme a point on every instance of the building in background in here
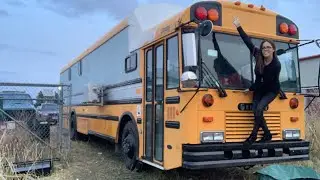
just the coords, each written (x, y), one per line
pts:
(309, 69)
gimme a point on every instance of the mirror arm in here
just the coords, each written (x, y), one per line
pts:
(312, 41)
(183, 24)
(284, 51)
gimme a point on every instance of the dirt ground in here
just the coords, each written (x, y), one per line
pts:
(96, 159)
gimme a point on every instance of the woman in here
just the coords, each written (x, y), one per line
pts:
(266, 86)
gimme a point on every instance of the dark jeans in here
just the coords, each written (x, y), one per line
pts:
(260, 102)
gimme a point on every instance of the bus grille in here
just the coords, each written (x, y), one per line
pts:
(239, 126)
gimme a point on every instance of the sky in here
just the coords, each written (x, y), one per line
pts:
(39, 37)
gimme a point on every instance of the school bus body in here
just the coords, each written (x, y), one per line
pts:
(178, 129)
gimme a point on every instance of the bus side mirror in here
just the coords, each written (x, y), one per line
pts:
(189, 79)
(280, 52)
(189, 49)
(205, 27)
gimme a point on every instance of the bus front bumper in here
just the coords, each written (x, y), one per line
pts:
(204, 156)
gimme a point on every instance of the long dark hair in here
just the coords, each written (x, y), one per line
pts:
(260, 58)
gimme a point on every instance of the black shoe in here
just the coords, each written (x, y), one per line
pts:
(251, 139)
(266, 137)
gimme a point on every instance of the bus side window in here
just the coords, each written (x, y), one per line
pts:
(172, 63)
(80, 68)
(69, 74)
(131, 63)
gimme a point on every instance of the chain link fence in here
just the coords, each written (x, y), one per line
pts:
(34, 125)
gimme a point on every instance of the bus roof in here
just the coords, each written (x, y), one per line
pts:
(167, 22)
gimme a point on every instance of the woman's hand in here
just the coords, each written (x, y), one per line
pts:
(236, 22)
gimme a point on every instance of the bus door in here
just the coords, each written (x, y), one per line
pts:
(154, 103)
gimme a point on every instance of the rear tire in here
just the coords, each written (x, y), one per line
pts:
(129, 145)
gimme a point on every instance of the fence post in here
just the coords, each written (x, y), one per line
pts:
(1, 108)
(60, 102)
(1, 103)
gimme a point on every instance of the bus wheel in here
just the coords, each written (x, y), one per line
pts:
(129, 146)
(73, 128)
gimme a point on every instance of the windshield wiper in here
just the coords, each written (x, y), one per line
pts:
(213, 80)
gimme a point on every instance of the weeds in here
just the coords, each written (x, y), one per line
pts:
(21, 144)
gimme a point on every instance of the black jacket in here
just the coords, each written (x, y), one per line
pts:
(269, 80)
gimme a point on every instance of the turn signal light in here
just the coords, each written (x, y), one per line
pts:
(284, 28)
(207, 119)
(213, 15)
(237, 3)
(250, 5)
(207, 100)
(294, 103)
(292, 29)
(294, 119)
(201, 13)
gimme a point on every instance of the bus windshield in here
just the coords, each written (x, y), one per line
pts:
(228, 59)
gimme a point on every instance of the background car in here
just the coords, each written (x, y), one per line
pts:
(48, 113)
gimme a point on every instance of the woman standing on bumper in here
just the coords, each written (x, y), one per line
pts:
(266, 86)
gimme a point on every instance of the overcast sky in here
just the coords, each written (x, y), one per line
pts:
(39, 37)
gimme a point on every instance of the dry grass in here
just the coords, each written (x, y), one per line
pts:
(313, 135)
(15, 150)
(18, 144)
(96, 159)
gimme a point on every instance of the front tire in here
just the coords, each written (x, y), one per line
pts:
(129, 144)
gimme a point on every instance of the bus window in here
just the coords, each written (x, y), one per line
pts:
(131, 63)
(232, 57)
(172, 63)
(289, 76)
(149, 79)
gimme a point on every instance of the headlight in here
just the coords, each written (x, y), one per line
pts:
(291, 134)
(212, 137)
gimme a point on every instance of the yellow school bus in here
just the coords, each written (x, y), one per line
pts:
(166, 86)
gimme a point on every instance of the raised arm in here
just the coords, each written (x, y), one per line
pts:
(246, 39)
